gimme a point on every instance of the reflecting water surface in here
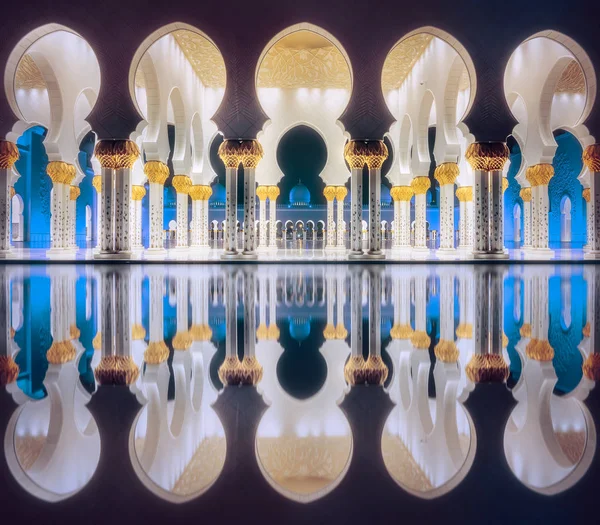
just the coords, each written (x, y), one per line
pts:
(290, 393)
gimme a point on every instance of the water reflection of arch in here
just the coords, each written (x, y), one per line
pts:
(52, 445)
(549, 440)
(177, 447)
(304, 447)
(428, 445)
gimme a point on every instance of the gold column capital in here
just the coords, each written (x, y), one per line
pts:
(156, 353)
(446, 173)
(586, 194)
(487, 368)
(251, 153)
(591, 367)
(539, 350)
(74, 193)
(207, 192)
(116, 154)
(137, 192)
(156, 171)
(182, 184)
(525, 194)
(354, 153)
(487, 156)
(9, 154)
(116, 370)
(262, 192)
(420, 340)
(60, 352)
(138, 333)
(464, 193)
(329, 193)
(539, 174)
(591, 158)
(182, 341)
(341, 192)
(504, 184)
(97, 183)
(9, 370)
(401, 193)
(446, 351)
(197, 192)
(420, 185)
(273, 192)
(61, 172)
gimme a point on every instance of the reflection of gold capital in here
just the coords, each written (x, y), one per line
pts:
(116, 154)
(504, 184)
(61, 172)
(197, 192)
(273, 192)
(74, 332)
(401, 193)
(341, 332)
(251, 153)
(401, 331)
(156, 353)
(525, 330)
(9, 154)
(464, 194)
(252, 371)
(182, 184)
(586, 194)
(97, 183)
(586, 330)
(591, 158)
(340, 193)
(375, 370)
(201, 332)
(525, 194)
(116, 370)
(354, 153)
(13, 192)
(74, 192)
(329, 332)
(591, 367)
(504, 340)
(420, 340)
(487, 368)
(540, 174)
(137, 193)
(539, 350)
(464, 331)
(273, 332)
(354, 370)
(487, 156)
(262, 332)
(329, 193)
(9, 370)
(446, 351)
(182, 341)
(60, 353)
(230, 371)
(420, 185)
(262, 192)
(138, 332)
(156, 171)
(97, 341)
(446, 173)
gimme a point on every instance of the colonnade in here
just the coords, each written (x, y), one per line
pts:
(335, 228)
(271, 193)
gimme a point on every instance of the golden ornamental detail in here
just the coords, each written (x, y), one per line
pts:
(156, 171)
(182, 184)
(487, 368)
(375, 370)
(262, 332)
(138, 333)
(420, 340)
(446, 173)
(464, 194)
(206, 192)
(525, 194)
(182, 341)
(116, 370)
(355, 154)
(420, 185)
(525, 330)
(539, 350)
(61, 172)
(591, 158)
(262, 192)
(446, 351)
(74, 193)
(273, 192)
(540, 174)
(60, 353)
(329, 332)
(116, 154)
(251, 371)
(230, 371)
(156, 353)
(591, 367)
(504, 184)
(401, 193)
(97, 341)
(197, 192)
(587, 330)
(504, 340)
(137, 193)
(329, 193)
(464, 331)
(251, 153)
(13, 192)
(74, 332)
(487, 156)
(354, 370)
(586, 194)
(9, 370)
(97, 183)
(201, 332)
(341, 192)
(273, 332)
(9, 154)
(341, 332)
(401, 331)
(229, 154)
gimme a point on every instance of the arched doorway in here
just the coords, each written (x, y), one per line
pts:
(565, 220)
(517, 223)
(17, 222)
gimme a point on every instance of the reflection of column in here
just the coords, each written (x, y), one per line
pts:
(340, 195)
(252, 370)
(157, 174)
(250, 160)
(446, 349)
(591, 159)
(229, 155)
(273, 331)
(273, 194)
(402, 196)
(465, 220)
(329, 193)
(137, 194)
(375, 369)
(74, 192)
(586, 194)
(377, 154)
(62, 175)
(9, 154)
(446, 174)
(487, 160)
(340, 329)
(591, 330)
(262, 192)
(539, 347)
(182, 339)
(9, 370)
(354, 369)
(420, 185)
(97, 184)
(419, 338)
(525, 195)
(539, 176)
(182, 185)
(157, 351)
(356, 161)
(230, 370)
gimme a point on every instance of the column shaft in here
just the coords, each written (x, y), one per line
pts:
(122, 213)
(375, 211)
(262, 243)
(249, 210)
(5, 205)
(330, 226)
(231, 211)
(527, 224)
(182, 220)
(420, 220)
(107, 223)
(447, 217)
(273, 222)
(496, 213)
(482, 212)
(156, 216)
(356, 212)
(340, 222)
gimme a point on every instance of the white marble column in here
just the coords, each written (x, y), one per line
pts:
(340, 195)
(329, 193)
(9, 154)
(273, 194)
(526, 196)
(354, 155)
(591, 159)
(204, 228)
(122, 210)
(465, 221)
(354, 369)
(481, 234)
(420, 186)
(62, 175)
(539, 176)
(137, 194)
(97, 184)
(374, 163)
(402, 196)
(182, 185)
(74, 193)
(249, 207)
(496, 213)
(586, 194)
(182, 340)
(231, 249)
(262, 192)
(446, 349)
(197, 195)
(446, 175)
(157, 173)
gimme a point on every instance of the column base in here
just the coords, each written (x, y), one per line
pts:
(375, 254)
(446, 253)
(272, 248)
(230, 255)
(137, 248)
(112, 255)
(155, 253)
(402, 252)
(7, 254)
(538, 253)
(489, 255)
(591, 255)
(60, 253)
(420, 252)
(248, 255)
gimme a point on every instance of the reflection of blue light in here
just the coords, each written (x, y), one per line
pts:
(300, 328)
(219, 330)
